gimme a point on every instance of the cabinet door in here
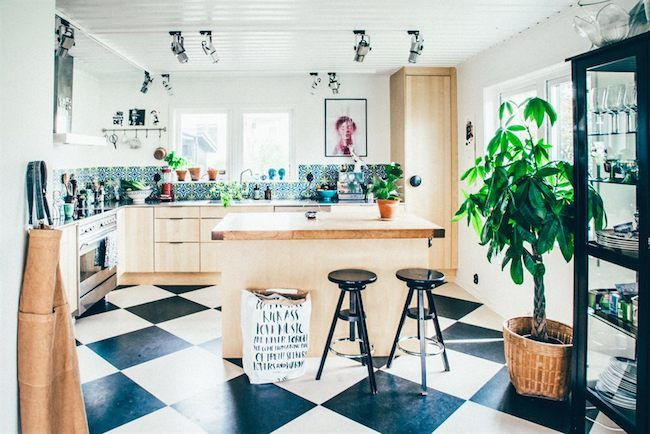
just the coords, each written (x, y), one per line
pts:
(69, 264)
(176, 229)
(177, 257)
(428, 153)
(137, 240)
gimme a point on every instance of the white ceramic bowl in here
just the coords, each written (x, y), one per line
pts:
(138, 196)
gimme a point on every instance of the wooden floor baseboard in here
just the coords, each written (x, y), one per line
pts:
(169, 279)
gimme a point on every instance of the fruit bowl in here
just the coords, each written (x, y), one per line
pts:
(326, 195)
(138, 196)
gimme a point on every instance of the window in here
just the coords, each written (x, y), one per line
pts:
(203, 138)
(266, 141)
(560, 95)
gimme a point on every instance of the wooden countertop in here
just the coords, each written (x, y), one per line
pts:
(340, 225)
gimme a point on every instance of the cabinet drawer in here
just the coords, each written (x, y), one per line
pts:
(206, 230)
(220, 212)
(177, 257)
(210, 257)
(326, 208)
(165, 212)
(168, 230)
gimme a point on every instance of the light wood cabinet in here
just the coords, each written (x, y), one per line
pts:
(210, 262)
(176, 229)
(424, 142)
(136, 240)
(69, 265)
(220, 212)
(167, 212)
(207, 224)
(177, 257)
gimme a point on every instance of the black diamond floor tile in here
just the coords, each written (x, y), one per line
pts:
(136, 347)
(214, 346)
(398, 407)
(460, 330)
(100, 307)
(218, 308)
(181, 289)
(166, 309)
(487, 350)
(114, 400)
(240, 407)
(124, 286)
(499, 394)
(453, 308)
(236, 361)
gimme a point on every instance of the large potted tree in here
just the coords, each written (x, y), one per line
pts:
(522, 209)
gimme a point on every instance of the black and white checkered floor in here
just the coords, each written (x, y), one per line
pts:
(150, 363)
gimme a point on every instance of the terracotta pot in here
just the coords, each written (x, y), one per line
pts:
(539, 369)
(195, 173)
(181, 173)
(212, 173)
(387, 208)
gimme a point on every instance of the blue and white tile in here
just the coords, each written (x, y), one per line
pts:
(195, 328)
(320, 420)
(135, 295)
(91, 365)
(106, 325)
(182, 374)
(209, 296)
(166, 420)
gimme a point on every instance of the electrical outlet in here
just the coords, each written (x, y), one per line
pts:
(475, 279)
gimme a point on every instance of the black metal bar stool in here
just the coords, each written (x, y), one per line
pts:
(353, 282)
(424, 281)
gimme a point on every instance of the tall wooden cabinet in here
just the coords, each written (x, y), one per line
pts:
(424, 141)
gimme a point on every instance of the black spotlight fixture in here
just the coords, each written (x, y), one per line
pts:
(334, 83)
(417, 45)
(166, 82)
(147, 81)
(362, 47)
(208, 46)
(65, 38)
(177, 47)
(315, 83)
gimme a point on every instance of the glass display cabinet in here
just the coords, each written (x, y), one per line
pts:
(610, 325)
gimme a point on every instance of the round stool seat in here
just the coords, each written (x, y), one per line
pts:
(352, 278)
(420, 276)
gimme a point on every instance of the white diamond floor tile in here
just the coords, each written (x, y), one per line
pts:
(182, 374)
(195, 328)
(210, 296)
(106, 325)
(339, 374)
(134, 295)
(484, 317)
(166, 420)
(466, 376)
(92, 366)
(450, 289)
(475, 418)
(321, 420)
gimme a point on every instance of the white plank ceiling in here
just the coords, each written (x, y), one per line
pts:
(297, 36)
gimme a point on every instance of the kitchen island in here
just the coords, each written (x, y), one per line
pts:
(286, 250)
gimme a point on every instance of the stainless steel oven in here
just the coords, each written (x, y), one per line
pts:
(97, 259)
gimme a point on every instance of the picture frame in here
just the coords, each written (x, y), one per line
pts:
(346, 126)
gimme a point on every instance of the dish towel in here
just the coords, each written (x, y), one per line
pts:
(51, 399)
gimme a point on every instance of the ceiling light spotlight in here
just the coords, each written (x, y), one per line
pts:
(334, 83)
(208, 47)
(147, 81)
(177, 47)
(363, 45)
(65, 38)
(166, 79)
(417, 45)
(315, 83)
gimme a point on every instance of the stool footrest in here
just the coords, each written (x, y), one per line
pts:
(349, 355)
(346, 316)
(439, 348)
(412, 312)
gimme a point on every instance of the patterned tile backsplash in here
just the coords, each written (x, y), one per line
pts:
(200, 190)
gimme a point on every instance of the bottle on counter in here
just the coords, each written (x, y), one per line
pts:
(267, 193)
(257, 193)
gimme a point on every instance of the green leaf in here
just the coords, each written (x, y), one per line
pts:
(517, 270)
(494, 143)
(535, 110)
(516, 128)
(547, 236)
(516, 141)
(565, 240)
(506, 106)
(550, 112)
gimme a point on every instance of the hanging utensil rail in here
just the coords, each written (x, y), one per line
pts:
(105, 130)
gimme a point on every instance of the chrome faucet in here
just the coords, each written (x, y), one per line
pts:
(241, 175)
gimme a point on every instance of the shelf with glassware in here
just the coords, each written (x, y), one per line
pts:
(610, 355)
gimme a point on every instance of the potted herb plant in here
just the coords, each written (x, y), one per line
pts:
(522, 210)
(386, 191)
(227, 192)
(178, 164)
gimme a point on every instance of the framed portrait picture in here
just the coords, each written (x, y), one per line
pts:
(346, 127)
(136, 117)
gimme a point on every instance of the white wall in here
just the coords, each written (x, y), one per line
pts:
(543, 46)
(26, 77)
(233, 93)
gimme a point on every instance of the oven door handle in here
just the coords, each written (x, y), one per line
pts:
(95, 239)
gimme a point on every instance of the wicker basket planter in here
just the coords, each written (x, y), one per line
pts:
(538, 369)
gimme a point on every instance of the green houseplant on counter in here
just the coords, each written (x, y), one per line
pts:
(227, 192)
(177, 163)
(386, 191)
(524, 207)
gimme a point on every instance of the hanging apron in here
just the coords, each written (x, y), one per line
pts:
(48, 371)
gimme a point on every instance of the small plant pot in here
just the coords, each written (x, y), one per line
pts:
(181, 173)
(195, 173)
(212, 173)
(538, 369)
(387, 208)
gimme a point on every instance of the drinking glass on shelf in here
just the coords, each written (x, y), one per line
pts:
(597, 98)
(629, 102)
(614, 103)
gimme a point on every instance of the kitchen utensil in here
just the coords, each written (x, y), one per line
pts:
(113, 139)
(135, 143)
(159, 153)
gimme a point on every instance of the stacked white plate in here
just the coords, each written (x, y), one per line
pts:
(617, 383)
(609, 238)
